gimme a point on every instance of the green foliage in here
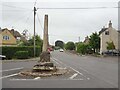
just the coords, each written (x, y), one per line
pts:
(10, 51)
(94, 42)
(110, 45)
(57, 48)
(21, 55)
(82, 48)
(70, 46)
(30, 42)
(59, 43)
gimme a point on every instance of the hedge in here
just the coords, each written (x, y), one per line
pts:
(21, 55)
(9, 52)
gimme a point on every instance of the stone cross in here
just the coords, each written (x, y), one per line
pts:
(45, 55)
(45, 35)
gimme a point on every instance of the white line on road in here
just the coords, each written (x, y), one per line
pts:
(42, 79)
(73, 76)
(37, 78)
(12, 69)
(9, 75)
(56, 62)
(76, 71)
(70, 67)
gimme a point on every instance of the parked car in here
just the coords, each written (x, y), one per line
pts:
(61, 50)
(111, 52)
(2, 57)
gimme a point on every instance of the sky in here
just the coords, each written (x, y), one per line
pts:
(63, 24)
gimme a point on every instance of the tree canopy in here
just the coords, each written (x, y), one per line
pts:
(70, 46)
(94, 41)
(30, 42)
(82, 48)
(59, 43)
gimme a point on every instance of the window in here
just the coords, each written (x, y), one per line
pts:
(6, 37)
(106, 32)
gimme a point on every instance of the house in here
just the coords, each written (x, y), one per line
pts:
(109, 34)
(9, 37)
(86, 41)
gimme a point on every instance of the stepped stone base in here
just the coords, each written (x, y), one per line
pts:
(59, 71)
(44, 66)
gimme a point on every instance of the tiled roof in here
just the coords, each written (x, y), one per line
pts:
(102, 30)
(13, 32)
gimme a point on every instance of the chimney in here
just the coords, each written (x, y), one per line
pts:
(103, 27)
(110, 24)
(12, 31)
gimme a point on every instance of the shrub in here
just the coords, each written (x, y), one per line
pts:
(70, 46)
(9, 52)
(82, 48)
(21, 55)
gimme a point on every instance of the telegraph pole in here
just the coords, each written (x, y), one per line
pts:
(79, 39)
(34, 29)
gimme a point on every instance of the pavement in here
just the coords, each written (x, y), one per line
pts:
(84, 72)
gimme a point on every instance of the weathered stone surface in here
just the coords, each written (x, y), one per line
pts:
(45, 56)
(46, 64)
(59, 71)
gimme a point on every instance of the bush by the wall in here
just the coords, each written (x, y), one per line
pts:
(9, 52)
(21, 55)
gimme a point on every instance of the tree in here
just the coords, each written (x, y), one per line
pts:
(70, 46)
(82, 48)
(59, 43)
(110, 45)
(94, 42)
(30, 42)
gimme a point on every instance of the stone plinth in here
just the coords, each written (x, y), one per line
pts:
(45, 56)
(59, 71)
(44, 66)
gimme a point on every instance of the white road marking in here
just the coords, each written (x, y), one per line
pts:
(68, 66)
(37, 78)
(42, 79)
(11, 69)
(71, 68)
(56, 62)
(76, 71)
(73, 76)
(88, 78)
(9, 75)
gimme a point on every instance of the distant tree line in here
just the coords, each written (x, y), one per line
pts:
(80, 47)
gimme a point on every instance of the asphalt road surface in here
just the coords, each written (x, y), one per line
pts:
(85, 72)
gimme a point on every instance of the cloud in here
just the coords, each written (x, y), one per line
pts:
(64, 24)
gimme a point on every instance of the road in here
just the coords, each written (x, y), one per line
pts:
(85, 72)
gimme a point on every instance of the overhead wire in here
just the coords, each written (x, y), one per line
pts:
(19, 19)
(14, 7)
(78, 8)
(40, 22)
(28, 18)
(62, 35)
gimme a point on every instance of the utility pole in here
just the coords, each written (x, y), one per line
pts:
(79, 39)
(34, 29)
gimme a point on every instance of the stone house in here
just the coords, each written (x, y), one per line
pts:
(109, 34)
(86, 41)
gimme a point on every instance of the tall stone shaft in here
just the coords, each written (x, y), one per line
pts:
(45, 35)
